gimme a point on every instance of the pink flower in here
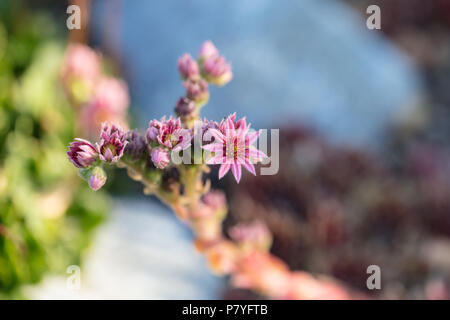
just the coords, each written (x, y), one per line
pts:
(113, 142)
(207, 50)
(169, 134)
(233, 147)
(160, 158)
(217, 70)
(82, 153)
(188, 67)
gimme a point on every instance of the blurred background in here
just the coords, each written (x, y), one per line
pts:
(364, 119)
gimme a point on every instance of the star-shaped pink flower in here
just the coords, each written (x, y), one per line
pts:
(233, 147)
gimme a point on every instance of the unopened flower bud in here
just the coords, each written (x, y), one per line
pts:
(97, 178)
(136, 146)
(188, 67)
(82, 153)
(160, 158)
(197, 90)
(207, 50)
(217, 70)
(152, 134)
(185, 107)
(80, 70)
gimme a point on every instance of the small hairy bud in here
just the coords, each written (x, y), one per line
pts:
(207, 50)
(217, 70)
(197, 90)
(188, 67)
(160, 158)
(97, 178)
(184, 107)
(136, 146)
(82, 153)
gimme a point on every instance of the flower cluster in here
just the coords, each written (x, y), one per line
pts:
(89, 158)
(166, 136)
(149, 158)
(211, 68)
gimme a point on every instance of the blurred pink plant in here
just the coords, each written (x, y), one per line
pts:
(80, 71)
(188, 67)
(96, 97)
(110, 102)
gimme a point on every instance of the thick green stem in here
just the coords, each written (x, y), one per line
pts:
(191, 177)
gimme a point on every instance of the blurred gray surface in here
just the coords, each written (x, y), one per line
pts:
(141, 252)
(311, 61)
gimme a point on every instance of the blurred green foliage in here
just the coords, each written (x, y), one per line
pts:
(47, 214)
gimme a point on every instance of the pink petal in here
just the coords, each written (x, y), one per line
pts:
(237, 172)
(256, 154)
(213, 147)
(218, 159)
(82, 140)
(224, 168)
(229, 124)
(250, 167)
(182, 146)
(253, 136)
(108, 155)
(216, 134)
(242, 123)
